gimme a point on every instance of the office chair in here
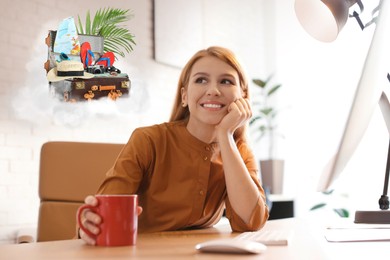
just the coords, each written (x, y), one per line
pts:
(69, 171)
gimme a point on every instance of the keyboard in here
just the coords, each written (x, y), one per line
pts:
(267, 237)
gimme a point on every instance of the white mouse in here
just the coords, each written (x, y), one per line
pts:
(231, 246)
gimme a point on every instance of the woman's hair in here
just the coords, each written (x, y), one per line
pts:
(182, 113)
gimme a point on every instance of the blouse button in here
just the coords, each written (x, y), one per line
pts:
(201, 192)
(205, 158)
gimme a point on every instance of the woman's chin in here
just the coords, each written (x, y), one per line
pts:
(212, 122)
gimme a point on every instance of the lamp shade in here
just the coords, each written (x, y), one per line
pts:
(323, 19)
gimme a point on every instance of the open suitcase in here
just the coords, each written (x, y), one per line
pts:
(103, 85)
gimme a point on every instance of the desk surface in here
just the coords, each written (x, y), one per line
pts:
(307, 242)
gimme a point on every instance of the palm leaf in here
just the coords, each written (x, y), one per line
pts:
(88, 24)
(117, 38)
(80, 29)
(106, 23)
(106, 17)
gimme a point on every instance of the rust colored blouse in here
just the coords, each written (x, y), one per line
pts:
(179, 180)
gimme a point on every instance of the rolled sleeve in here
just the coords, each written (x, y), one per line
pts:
(258, 218)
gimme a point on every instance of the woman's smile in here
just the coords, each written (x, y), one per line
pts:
(212, 105)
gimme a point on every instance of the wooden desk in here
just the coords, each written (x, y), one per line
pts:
(307, 242)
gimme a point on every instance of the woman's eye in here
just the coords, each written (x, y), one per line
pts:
(200, 80)
(227, 82)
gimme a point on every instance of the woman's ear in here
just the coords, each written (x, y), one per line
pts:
(184, 97)
(244, 93)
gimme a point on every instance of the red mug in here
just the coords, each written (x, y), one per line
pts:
(119, 215)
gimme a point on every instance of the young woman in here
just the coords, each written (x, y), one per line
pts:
(187, 171)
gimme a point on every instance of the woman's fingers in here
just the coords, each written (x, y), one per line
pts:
(91, 227)
(87, 239)
(91, 200)
(244, 108)
(90, 222)
(92, 217)
(139, 210)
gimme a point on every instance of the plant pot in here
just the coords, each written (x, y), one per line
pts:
(272, 172)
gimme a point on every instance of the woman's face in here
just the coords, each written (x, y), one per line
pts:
(213, 85)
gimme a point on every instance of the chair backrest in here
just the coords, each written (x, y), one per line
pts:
(69, 171)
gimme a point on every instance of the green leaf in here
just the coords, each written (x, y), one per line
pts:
(259, 82)
(107, 23)
(88, 23)
(273, 89)
(318, 206)
(80, 29)
(254, 119)
(329, 192)
(267, 111)
(342, 212)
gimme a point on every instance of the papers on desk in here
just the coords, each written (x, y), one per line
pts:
(358, 233)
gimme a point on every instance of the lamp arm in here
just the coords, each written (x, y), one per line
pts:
(359, 21)
(384, 105)
(359, 3)
(384, 199)
(355, 14)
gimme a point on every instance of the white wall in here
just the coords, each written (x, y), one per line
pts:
(318, 80)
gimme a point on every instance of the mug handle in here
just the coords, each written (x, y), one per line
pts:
(79, 211)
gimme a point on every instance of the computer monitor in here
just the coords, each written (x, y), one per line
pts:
(368, 93)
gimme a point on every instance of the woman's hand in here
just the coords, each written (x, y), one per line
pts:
(239, 112)
(91, 221)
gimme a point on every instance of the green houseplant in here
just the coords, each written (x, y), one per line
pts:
(107, 22)
(264, 120)
(340, 211)
(264, 124)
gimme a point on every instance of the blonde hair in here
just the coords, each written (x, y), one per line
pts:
(182, 113)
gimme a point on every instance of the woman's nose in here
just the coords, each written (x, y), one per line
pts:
(213, 90)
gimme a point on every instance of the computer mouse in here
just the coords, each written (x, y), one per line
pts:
(231, 246)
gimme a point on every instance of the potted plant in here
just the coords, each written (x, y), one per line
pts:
(264, 124)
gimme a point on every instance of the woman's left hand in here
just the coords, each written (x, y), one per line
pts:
(239, 112)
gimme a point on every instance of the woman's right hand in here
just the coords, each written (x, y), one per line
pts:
(90, 221)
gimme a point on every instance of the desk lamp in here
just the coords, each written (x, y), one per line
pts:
(324, 19)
